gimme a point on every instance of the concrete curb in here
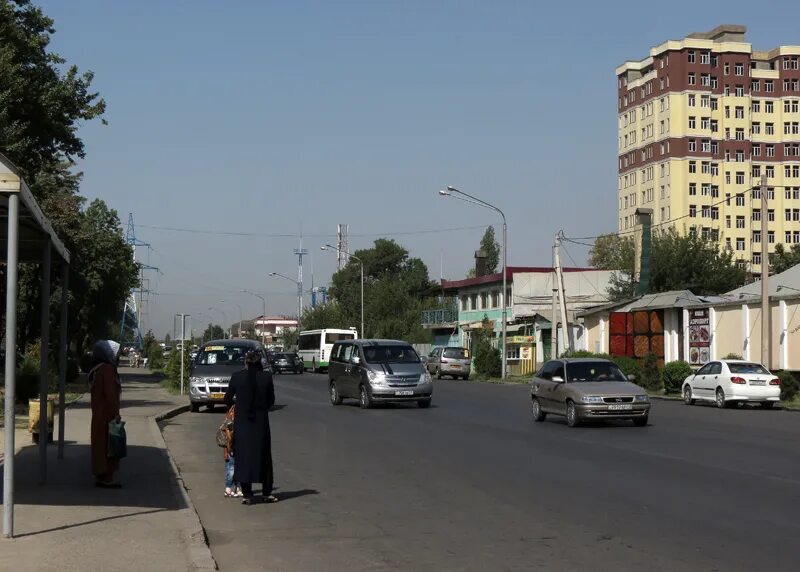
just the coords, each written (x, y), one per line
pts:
(673, 398)
(199, 552)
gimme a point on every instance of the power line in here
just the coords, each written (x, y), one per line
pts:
(297, 235)
(671, 221)
(604, 296)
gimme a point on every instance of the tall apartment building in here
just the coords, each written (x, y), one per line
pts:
(700, 120)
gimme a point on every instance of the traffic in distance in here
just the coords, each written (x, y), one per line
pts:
(582, 390)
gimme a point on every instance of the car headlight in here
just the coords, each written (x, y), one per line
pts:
(641, 399)
(425, 378)
(376, 378)
(592, 399)
(196, 380)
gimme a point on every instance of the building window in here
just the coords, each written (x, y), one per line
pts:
(756, 214)
(769, 128)
(692, 122)
(727, 221)
(770, 215)
(756, 106)
(739, 134)
(756, 128)
(740, 177)
(692, 145)
(771, 237)
(691, 100)
(756, 260)
(756, 236)
(726, 69)
(739, 244)
(769, 107)
(739, 222)
(464, 303)
(756, 150)
(705, 57)
(690, 55)
(692, 211)
(770, 150)
(739, 112)
(740, 156)
(693, 166)
(692, 189)
(739, 69)
(705, 79)
(508, 299)
(691, 79)
(714, 213)
(473, 302)
(739, 90)
(769, 170)
(740, 201)
(769, 86)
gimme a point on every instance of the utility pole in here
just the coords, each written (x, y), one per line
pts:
(567, 337)
(300, 253)
(766, 329)
(554, 313)
(183, 344)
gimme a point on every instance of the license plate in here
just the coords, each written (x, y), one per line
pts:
(456, 366)
(217, 396)
(404, 392)
(620, 407)
(757, 382)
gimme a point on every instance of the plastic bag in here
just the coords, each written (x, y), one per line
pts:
(117, 440)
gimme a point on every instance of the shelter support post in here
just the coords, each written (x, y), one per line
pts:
(11, 363)
(63, 345)
(44, 371)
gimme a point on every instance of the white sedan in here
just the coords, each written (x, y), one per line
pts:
(732, 381)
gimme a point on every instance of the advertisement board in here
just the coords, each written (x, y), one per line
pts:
(699, 337)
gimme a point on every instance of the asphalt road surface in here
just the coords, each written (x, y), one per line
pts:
(473, 484)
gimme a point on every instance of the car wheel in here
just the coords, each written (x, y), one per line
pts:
(536, 408)
(195, 407)
(573, 420)
(336, 399)
(424, 403)
(640, 421)
(438, 373)
(687, 396)
(720, 400)
(465, 377)
(767, 404)
(210, 407)
(364, 400)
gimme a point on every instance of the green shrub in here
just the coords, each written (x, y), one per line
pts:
(28, 379)
(673, 375)
(733, 356)
(651, 373)
(173, 368)
(155, 359)
(789, 385)
(487, 359)
(628, 365)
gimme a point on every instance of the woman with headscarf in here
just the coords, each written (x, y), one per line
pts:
(252, 391)
(105, 390)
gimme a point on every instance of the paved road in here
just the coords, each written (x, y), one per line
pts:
(474, 484)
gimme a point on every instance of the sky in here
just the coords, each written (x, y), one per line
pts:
(288, 118)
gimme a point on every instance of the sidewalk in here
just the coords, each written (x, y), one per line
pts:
(68, 524)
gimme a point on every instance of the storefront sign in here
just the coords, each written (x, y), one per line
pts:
(699, 337)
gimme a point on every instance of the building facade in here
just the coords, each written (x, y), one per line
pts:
(700, 120)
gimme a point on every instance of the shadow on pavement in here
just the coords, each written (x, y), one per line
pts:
(89, 522)
(289, 495)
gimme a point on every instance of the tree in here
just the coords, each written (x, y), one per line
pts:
(396, 287)
(491, 249)
(213, 332)
(782, 260)
(678, 262)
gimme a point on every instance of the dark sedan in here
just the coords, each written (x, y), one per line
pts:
(287, 362)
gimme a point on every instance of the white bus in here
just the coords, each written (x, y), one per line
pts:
(314, 346)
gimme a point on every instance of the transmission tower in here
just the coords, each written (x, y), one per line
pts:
(135, 312)
(341, 243)
(300, 253)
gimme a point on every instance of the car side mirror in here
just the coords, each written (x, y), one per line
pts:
(355, 360)
(423, 359)
(631, 377)
(557, 379)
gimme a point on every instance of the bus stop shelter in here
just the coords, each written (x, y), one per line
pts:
(27, 236)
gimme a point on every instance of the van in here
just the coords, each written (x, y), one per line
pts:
(378, 371)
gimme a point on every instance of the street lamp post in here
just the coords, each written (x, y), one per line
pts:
(455, 193)
(361, 263)
(299, 294)
(263, 311)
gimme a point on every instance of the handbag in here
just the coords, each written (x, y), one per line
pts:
(225, 430)
(117, 440)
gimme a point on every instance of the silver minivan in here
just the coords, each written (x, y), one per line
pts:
(377, 371)
(454, 362)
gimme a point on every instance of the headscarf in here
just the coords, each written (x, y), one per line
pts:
(104, 352)
(252, 359)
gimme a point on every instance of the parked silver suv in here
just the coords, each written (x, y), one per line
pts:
(454, 362)
(377, 371)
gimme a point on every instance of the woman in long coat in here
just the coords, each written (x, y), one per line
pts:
(105, 387)
(253, 393)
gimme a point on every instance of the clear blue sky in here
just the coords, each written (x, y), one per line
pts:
(262, 116)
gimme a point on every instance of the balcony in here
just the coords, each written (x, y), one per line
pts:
(440, 317)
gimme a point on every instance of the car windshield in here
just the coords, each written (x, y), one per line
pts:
(594, 371)
(456, 353)
(747, 368)
(284, 356)
(222, 355)
(390, 354)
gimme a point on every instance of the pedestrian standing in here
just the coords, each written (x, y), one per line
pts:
(253, 393)
(106, 388)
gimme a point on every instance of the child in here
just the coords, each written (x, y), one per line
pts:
(232, 489)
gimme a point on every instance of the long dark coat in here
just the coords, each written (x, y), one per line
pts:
(253, 393)
(105, 407)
